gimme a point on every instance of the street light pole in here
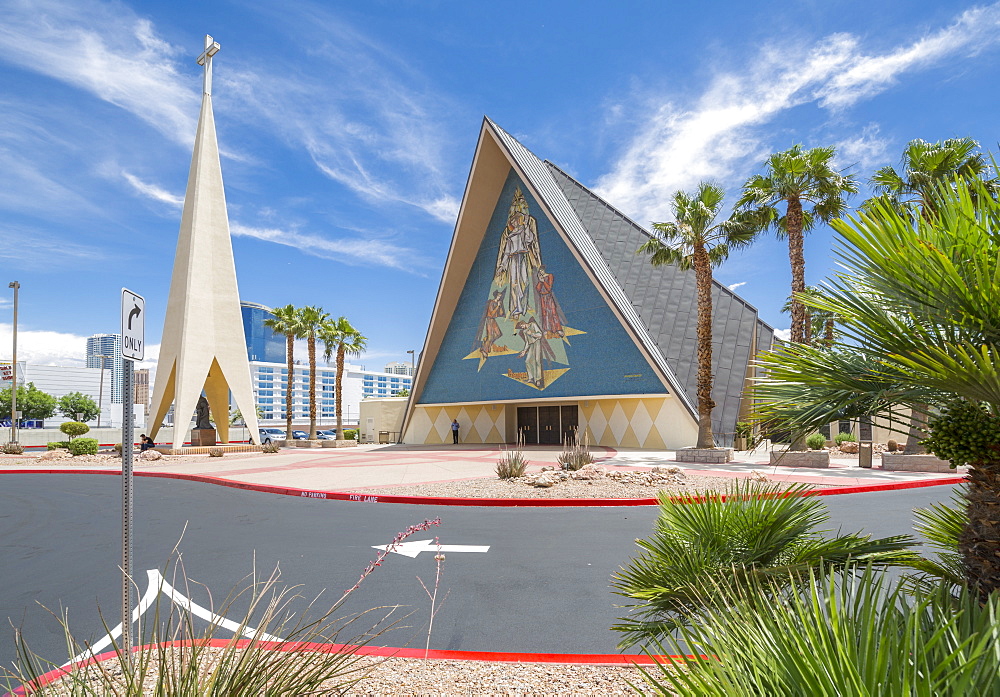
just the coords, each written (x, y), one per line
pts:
(13, 389)
(413, 367)
(100, 393)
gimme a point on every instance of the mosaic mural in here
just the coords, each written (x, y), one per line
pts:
(522, 315)
(530, 323)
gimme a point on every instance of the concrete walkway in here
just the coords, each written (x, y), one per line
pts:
(342, 470)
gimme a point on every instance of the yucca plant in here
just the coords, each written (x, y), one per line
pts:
(750, 531)
(512, 462)
(575, 454)
(837, 634)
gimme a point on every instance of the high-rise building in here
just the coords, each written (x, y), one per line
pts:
(142, 389)
(398, 368)
(105, 351)
(262, 344)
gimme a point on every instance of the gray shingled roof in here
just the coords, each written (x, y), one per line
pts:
(665, 300)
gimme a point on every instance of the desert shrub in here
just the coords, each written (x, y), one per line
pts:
(350, 433)
(816, 441)
(117, 447)
(891, 445)
(215, 452)
(270, 447)
(83, 446)
(575, 455)
(512, 463)
(74, 428)
(845, 438)
(56, 444)
(13, 449)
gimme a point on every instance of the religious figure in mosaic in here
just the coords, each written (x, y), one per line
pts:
(489, 329)
(536, 351)
(518, 254)
(552, 315)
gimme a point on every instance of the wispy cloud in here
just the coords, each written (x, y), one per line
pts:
(370, 123)
(783, 334)
(865, 150)
(152, 191)
(679, 145)
(734, 286)
(346, 250)
(104, 49)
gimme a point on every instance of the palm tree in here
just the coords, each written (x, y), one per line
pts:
(692, 241)
(340, 337)
(919, 305)
(793, 177)
(925, 167)
(818, 322)
(286, 321)
(311, 321)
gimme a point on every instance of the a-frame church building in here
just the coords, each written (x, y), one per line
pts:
(548, 324)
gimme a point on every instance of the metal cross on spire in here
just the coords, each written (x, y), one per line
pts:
(211, 48)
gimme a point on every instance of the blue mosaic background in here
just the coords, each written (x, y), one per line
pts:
(602, 361)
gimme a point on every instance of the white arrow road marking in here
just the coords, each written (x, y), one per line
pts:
(157, 585)
(412, 549)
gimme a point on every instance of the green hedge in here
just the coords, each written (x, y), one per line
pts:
(83, 446)
(816, 441)
(350, 433)
(845, 438)
(55, 445)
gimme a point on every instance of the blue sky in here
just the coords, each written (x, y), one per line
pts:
(347, 131)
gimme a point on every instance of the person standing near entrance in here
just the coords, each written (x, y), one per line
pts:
(454, 431)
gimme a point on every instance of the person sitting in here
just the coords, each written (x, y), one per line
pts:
(145, 442)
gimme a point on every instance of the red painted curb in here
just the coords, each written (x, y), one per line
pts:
(597, 659)
(454, 501)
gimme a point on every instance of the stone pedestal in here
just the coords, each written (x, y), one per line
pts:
(711, 456)
(915, 463)
(203, 437)
(339, 443)
(306, 443)
(801, 458)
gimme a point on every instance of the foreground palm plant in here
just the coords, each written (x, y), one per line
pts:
(752, 531)
(919, 307)
(841, 635)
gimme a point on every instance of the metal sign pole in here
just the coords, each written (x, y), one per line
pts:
(132, 349)
(128, 436)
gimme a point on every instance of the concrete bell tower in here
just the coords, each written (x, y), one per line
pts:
(203, 345)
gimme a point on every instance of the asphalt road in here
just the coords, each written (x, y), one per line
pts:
(543, 586)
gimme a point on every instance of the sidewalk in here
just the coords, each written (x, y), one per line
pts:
(346, 469)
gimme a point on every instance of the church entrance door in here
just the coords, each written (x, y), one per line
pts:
(550, 425)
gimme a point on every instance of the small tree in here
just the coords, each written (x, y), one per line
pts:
(74, 429)
(402, 393)
(78, 403)
(31, 402)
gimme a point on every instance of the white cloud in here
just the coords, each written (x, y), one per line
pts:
(106, 50)
(867, 150)
(734, 286)
(783, 334)
(679, 145)
(44, 347)
(346, 250)
(153, 191)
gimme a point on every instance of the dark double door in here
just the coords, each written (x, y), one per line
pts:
(547, 425)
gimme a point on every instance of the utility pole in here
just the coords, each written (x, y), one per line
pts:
(13, 389)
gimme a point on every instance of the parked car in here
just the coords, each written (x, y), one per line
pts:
(271, 434)
(299, 435)
(327, 434)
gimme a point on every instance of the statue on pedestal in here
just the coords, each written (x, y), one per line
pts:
(201, 414)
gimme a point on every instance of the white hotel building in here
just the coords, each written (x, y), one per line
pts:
(270, 379)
